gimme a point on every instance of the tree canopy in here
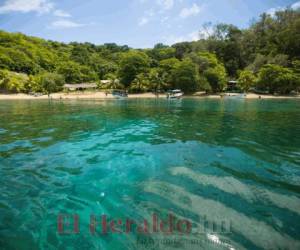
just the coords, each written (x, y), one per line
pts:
(266, 56)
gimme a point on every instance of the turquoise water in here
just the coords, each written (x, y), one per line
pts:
(207, 161)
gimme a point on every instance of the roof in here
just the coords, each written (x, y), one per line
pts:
(175, 91)
(81, 85)
(109, 81)
(106, 81)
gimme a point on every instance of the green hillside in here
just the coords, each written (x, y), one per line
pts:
(265, 56)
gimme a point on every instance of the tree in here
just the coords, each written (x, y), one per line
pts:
(278, 79)
(259, 61)
(162, 52)
(87, 74)
(211, 69)
(296, 70)
(296, 66)
(112, 83)
(50, 82)
(186, 77)
(13, 82)
(246, 80)
(204, 84)
(160, 46)
(216, 78)
(80, 54)
(168, 65)
(5, 62)
(33, 85)
(102, 66)
(181, 49)
(166, 68)
(76, 73)
(132, 64)
(71, 72)
(279, 59)
(21, 62)
(204, 60)
(225, 42)
(158, 80)
(141, 83)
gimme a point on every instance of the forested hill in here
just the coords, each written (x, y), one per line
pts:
(265, 56)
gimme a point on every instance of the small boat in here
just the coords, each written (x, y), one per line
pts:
(174, 94)
(235, 96)
(119, 94)
(35, 94)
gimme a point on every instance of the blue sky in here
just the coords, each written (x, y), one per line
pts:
(137, 23)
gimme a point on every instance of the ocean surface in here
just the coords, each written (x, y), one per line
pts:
(150, 174)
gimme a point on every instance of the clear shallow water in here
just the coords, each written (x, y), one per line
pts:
(201, 160)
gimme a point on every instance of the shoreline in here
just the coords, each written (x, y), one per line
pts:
(102, 95)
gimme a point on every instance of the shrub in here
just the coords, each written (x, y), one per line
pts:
(278, 79)
(246, 80)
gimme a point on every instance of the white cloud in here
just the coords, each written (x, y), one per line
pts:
(163, 5)
(193, 36)
(147, 17)
(40, 6)
(192, 11)
(65, 24)
(61, 13)
(166, 4)
(25, 6)
(296, 6)
(143, 21)
(272, 11)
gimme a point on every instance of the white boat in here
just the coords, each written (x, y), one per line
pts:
(120, 94)
(174, 94)
(235, 96)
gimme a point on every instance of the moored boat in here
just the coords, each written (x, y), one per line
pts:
(174, 94)
(236, 96)
(119, 94)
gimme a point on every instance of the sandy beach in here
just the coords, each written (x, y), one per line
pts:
(102, 95)
(74, 95)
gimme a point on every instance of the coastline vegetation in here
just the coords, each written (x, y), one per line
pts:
(265, 56)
